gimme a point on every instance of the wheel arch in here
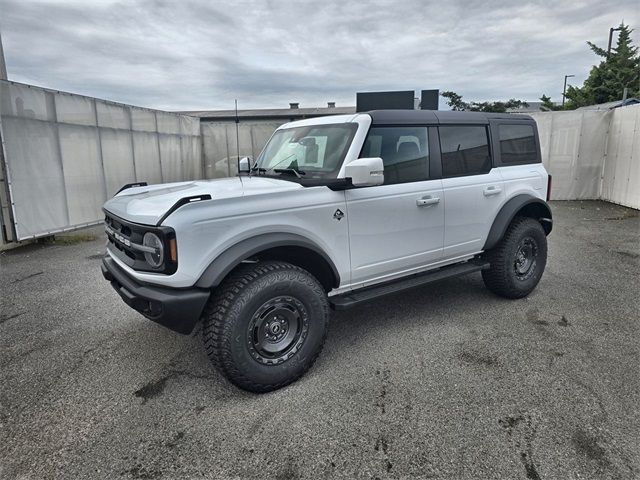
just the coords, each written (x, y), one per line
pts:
(288, 247)
(520, 205)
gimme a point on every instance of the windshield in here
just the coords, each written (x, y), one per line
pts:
(315, 151)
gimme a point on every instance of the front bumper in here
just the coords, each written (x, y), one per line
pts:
(177, 309)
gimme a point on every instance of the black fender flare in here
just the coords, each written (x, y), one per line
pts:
(220, 267)
(533, 206)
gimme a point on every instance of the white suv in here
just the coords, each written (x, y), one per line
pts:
(335, 211)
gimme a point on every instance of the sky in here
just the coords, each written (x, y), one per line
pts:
(200, 55)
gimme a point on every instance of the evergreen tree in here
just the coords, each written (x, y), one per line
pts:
(548, 105)
(607, 81)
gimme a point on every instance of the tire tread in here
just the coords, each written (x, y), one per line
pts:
(217, 331)
(498, 278)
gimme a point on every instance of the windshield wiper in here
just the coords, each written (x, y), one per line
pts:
(291, 169)
(272, 168)
(297, 173)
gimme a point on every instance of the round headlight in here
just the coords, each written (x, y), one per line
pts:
(157, 258)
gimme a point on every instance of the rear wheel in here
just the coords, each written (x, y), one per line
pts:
(518, 261)
(265, 325)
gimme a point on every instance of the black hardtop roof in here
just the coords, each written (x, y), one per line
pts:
(409, 117)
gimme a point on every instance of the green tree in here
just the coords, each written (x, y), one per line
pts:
(548, 105)
(607, 80)
(456, 103)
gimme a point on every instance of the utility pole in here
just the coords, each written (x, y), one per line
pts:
(564, 90)
(3, 66)
(611, 30)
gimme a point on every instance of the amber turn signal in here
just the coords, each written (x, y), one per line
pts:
(173, 250)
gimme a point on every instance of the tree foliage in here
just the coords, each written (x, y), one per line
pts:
(456, 103)
(548, 105)
(607, 80)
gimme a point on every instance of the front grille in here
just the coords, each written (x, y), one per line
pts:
(121, 234)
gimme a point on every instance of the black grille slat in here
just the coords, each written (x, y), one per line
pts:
(127, 234)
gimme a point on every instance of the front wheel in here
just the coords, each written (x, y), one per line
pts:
(265, 325)
(518, 261)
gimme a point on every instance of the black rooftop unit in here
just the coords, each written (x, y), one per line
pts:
(429, 100)
(399, 100)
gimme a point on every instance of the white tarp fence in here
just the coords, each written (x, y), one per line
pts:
(592, 154)
(66, 154)
(621, 170)
(220, 150)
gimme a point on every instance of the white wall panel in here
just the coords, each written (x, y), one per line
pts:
(117, 156)
(189, 125)
(572, 146)
(83, 175)
(147, 157)
(75, 109)
(192, 157)
(143, 120)
(214, 138)
(25, 101)
(591, 150)
(621, 179)
(35, 172)
(171, 158)
(168, 123)
(113, 116)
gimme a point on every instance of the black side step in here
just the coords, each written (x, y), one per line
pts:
(350, 299)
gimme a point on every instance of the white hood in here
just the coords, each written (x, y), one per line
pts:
(147, 205)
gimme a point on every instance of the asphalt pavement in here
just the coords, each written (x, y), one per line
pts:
(445, 381)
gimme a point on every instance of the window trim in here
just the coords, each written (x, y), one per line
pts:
(495, 133)
(490, 143)
(430, 145)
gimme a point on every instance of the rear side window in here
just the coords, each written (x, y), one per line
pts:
(465, 150)
(404, 152)
(517, 144)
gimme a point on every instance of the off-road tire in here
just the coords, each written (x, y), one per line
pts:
(230, 315)
(503, 277)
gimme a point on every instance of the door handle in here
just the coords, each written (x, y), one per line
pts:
(492, 190)
(426, 201)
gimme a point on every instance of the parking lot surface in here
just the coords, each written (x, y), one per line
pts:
(444, 381)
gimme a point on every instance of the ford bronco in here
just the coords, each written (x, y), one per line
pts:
(334, 212)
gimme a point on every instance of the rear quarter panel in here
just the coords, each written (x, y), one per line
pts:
(524, 179)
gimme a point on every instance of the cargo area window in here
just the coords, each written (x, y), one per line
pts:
(465, 150)
(517, 144)
(404, 152)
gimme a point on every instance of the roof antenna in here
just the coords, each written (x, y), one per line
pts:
(238, 141)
